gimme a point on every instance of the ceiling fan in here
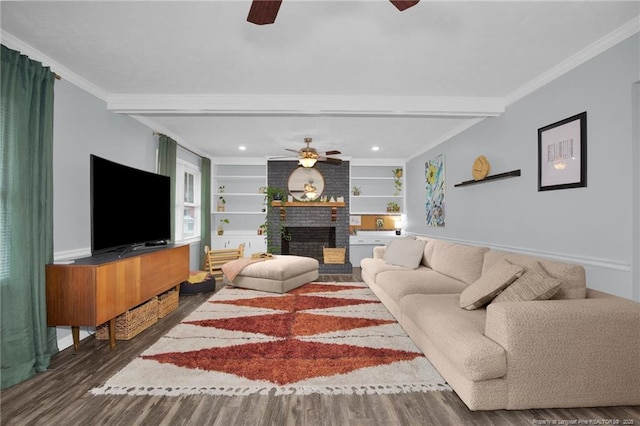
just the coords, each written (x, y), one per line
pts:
(265, 11)
(309, 156)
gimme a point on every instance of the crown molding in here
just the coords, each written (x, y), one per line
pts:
(15, 43)
(599, 46)
(240, 104)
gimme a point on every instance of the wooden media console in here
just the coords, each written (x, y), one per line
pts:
(95, 290)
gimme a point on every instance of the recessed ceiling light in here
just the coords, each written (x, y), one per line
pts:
(375, 148)
(242, 148)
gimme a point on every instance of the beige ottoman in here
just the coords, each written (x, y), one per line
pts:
(279, 274)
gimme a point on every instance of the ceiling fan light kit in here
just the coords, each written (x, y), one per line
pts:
(263, 12)
(308, 157)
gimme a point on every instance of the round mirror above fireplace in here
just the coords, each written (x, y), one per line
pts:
(305, 184)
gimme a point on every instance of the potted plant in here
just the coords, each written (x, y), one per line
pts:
(221, 225)
(397, 180)
(355, 190)
(393, 207)
(221, 203)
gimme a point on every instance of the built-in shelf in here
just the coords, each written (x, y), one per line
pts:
(512, 173)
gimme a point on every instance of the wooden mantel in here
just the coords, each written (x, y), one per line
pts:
(283, 213)
(306, 204)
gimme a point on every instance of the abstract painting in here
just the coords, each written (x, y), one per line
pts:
(434, 176)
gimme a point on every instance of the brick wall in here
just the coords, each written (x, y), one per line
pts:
(336, 184)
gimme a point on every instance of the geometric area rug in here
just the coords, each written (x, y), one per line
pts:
(327, 338)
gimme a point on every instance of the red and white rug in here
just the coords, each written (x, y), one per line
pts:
(328, 338)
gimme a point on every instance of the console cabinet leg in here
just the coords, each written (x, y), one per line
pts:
(75, 333)
(112, 333)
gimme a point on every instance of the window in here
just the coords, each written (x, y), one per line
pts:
(187, 201)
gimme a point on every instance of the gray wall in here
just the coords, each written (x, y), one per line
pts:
(83, 126)
(591, 226)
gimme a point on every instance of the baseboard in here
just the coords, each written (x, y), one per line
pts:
(560, 257)
(65, 339)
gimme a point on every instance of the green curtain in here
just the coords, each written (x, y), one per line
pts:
(26, 216)
(167, 156)
(205, 202)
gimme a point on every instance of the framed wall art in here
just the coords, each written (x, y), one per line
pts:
(562, 154)
(434, 203)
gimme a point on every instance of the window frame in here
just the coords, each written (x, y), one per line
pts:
(183, 167)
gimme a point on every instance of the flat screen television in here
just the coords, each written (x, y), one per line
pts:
(129, 207)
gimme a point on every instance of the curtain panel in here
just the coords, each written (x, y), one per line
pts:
(167, 156)
(205, 203)
(26, 215)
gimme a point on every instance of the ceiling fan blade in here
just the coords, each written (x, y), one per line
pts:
(332, 153)
(330, 160)
(297, 151)
(403, 4)
(263, 11)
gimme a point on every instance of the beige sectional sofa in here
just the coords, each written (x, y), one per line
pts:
(579, 348)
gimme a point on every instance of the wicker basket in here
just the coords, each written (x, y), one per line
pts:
(167, 303)
(333, 255)
(132, 322)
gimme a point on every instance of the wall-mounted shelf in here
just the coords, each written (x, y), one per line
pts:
(512, 173)
(283, 213)
(307, 204)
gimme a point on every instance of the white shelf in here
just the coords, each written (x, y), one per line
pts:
(371, 213)
(375, 196)
(377, 186)
(237, 213)
(242, 179)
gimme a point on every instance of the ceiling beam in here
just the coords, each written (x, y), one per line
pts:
(392, 106)
(264, 12)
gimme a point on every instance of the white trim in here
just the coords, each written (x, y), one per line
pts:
(66, 341)
(560, 257)
(64, 72)
(71, 254)
(239, 161)
(326, 105)
(589, 52)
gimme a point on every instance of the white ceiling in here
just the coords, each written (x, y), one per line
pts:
(350, 74)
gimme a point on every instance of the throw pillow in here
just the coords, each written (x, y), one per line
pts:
(405, 252)
(534, 284)
(492, 282)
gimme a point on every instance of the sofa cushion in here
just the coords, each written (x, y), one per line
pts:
(492, 282)
(534, 284)
(428, 250)
(372, 267)
(459, 261)
(574, 283)
(457, 333)
(405, 252)
(397, 284)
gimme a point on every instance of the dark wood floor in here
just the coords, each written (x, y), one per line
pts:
(60, 396)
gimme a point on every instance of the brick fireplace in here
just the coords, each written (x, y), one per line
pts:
(311, 227)
(308, 241)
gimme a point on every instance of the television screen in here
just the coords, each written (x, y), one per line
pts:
(128, 206)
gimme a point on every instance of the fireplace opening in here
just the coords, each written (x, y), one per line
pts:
(308, 241)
